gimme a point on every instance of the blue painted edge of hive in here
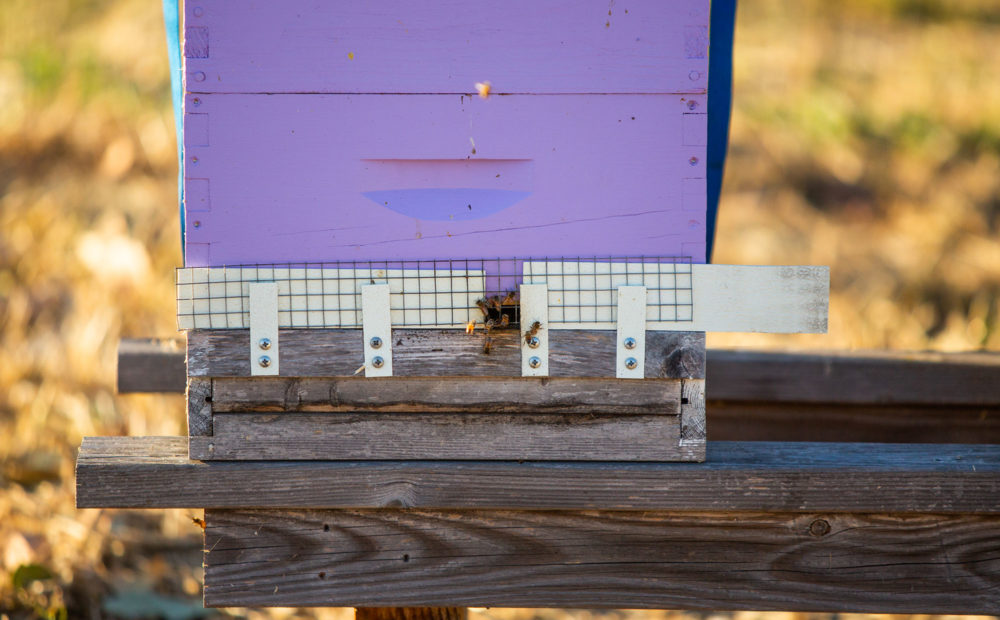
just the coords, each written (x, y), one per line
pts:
(720, 88)
(171, 21)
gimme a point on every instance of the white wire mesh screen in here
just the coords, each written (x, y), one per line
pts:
(582, 291)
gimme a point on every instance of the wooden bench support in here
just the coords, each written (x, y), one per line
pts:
(598, 559)
(761, 525)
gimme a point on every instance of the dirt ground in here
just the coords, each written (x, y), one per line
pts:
(866, 136)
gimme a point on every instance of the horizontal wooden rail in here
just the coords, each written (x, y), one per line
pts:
(155, 472)
(824, 396)
(761, 525)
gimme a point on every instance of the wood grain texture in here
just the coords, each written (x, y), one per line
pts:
(521, 46)
(710, 561)
(433, 394)
(444, 353)
(693, 423)
(155, 472)
(151, 365)
(764, 421)
(452, 436)
(856, 377)
(346, 192)
(199, 407)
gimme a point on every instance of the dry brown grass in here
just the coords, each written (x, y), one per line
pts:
(866, 136)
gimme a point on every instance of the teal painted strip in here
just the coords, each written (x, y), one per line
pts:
(171, 21)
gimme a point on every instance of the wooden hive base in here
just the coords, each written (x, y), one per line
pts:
(447, 399)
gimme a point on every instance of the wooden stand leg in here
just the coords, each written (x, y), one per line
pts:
(411, 613)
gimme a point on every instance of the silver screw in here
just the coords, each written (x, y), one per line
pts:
(264, 361)
(630, 343)
(534, 342)
(693, 161)
(631, 364)
(534, 362)
(264, 343)
(375, 342)
(378, 362)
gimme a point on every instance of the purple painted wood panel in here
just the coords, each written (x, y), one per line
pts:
(446, 46)
(286, 178)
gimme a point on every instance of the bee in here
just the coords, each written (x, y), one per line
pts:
(528, 335)
(489, 325)
(494, 303)
(199, 522)
(483, 88)
(488, 345)
(508, 299)
(504, 321)
(483, 307)
(470, 326)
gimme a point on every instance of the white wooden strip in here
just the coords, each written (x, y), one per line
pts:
(377, 330)
(264, 354)
(535, 330)
(719, 298)
(631, 358)
(773, 299)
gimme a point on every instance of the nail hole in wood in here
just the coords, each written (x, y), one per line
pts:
(326, 527)
(684, 401)
(322, 575)
(406, 557)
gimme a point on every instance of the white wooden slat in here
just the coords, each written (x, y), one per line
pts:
(264, 353)
(631, 332)
(377, 330)
(534, 308)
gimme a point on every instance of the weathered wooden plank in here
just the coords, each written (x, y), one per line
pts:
(693, 411)
(868, 378)
(711, 561)
(155, 472)
(764, 421)
(461, 436)
(398, 47)
(199, 407)
(151, 365)
(444, 353)
(433, 394)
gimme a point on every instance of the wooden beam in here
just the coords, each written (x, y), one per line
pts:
(754, 395)
(855, 378)
(451, 436)
(155, 472)
(843, 562)
(444, 353)
(432, 394)
(151, 365)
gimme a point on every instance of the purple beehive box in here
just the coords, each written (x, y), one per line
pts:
(332, 131)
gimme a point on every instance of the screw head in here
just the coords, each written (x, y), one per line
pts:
(692, 105)
(693, 161)
(264, 343)
(534, 342)
(629, 343)
(378, 362)
(534, 362)
(375, 342)
(264, 361)
(199, 76)
(631, 363)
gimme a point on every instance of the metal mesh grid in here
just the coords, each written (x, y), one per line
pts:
(433, 293)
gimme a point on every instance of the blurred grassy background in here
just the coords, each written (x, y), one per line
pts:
(866, 136)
